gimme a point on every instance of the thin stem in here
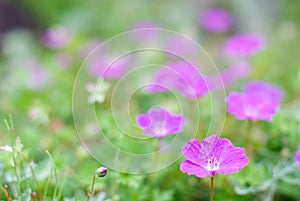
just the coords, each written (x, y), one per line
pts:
(247, 135)
(12, 141)
(92, 189)
(32, 171)
(55, 174)
(211, 189)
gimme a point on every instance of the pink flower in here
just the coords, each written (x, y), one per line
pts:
(109, 70)
(186, 79)
(259, 101)
(263, 87)
(180, 76)
(160, 123)
(297, 159)
(215, 155)
(57, 37)
(235, 72)
(145, 30)
(216, 20)
(181, 46)
(243, 45)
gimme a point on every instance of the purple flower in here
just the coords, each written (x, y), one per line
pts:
(235, 72)
(57, 37)
(216, 20)
(160, 123)
(263, 87)
(180, 76)
(109, 70)
(243, 45)
(297, 159)
(181, 46)
(145, 30)
(215, 155)
(259, 101)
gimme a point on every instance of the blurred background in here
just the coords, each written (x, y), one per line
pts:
(42, 47)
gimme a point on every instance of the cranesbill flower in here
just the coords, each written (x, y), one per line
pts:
(216, 20)
(215, 155)
(243, 45)
(159, 123)
(109, 70)
(297, 159)
(262, 87)
(257, 102)
(179, 76)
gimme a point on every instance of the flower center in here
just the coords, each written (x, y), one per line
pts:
(212, 164)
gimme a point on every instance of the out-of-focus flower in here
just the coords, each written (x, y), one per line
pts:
(6, 148)
(101, 172)
(57, 37)
(181, 46)
(180, 76)
(216, 20)
(235, 72)
(160, 123)
(38, 76)
(257, 102)
(145, 30)
(103, 68)
(186, 79)
(97, 92)
(215, 155)
(243, 45)
(39, 114)
(297, 159)
(262, 87)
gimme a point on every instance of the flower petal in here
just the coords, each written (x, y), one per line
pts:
(232, 160)
(192, 151)
(191, 168)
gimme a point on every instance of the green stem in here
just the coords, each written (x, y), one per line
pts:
(55, 174)
(92, 189)
(211, 189)
(33, 174)
(247, 134)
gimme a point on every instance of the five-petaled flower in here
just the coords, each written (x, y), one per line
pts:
(215, 155)
(160, 123)
(259, 101)
(297, 159)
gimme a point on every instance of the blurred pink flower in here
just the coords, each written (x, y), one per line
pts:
(186, 79)
(160, 123)
(297, 159)
(38, 77)
(181, 46)
(258, 86)
(216, 20)
(215, 155)
(235, 72)
(57, 37)
(180, 76)
(145, 30)
(255, 103)
(109, 70)
(243, 45)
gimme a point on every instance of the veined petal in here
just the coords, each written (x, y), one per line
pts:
(193, 169)
(192, 151)
(233, 159)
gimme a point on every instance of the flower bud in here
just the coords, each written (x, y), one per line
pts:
(101, 172)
